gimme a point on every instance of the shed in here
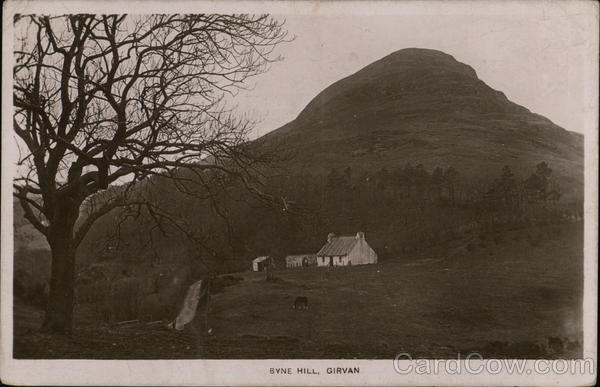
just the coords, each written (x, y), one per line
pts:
(260, 263)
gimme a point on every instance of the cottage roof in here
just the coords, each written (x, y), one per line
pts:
(338, 246)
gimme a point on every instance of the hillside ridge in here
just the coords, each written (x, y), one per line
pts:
(423, 106)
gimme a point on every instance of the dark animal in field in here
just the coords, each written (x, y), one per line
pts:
(301, 303)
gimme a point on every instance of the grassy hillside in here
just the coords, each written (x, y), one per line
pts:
(448, 299)
(500, 294)
(26, 237)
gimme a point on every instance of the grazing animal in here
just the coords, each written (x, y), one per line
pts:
(301, 303)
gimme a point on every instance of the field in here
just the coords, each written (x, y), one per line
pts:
(503, 294)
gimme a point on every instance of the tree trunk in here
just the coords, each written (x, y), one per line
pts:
(59, 309)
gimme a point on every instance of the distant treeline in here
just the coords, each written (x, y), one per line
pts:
(400, 210)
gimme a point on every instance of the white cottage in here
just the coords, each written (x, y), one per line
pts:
(346, 251)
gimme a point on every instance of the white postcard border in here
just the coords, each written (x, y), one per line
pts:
(257, 372)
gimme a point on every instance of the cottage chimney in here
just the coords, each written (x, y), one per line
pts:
(330, 237)
(360, 236)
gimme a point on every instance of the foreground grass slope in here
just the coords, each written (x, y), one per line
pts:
(500, 294)
(462, 296)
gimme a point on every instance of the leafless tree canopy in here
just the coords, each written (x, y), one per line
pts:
(103, 98)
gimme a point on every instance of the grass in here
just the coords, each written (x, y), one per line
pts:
(447, 298)
(504, 298)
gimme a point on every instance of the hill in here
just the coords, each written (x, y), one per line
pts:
(424, 107)
(415, 106)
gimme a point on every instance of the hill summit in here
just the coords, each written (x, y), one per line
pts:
(423, 106)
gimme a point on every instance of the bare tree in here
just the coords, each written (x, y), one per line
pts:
(104, 99)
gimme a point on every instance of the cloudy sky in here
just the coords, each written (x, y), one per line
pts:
(541, 57)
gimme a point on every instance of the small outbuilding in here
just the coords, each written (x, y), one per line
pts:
(346, 251)
(260, 263)
(301, 260)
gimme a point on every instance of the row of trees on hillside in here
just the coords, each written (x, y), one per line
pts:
(399, 209)
(510, 195)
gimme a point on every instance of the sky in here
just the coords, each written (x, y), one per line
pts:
(542, 58)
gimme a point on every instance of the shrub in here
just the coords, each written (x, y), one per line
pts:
(29, 290)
